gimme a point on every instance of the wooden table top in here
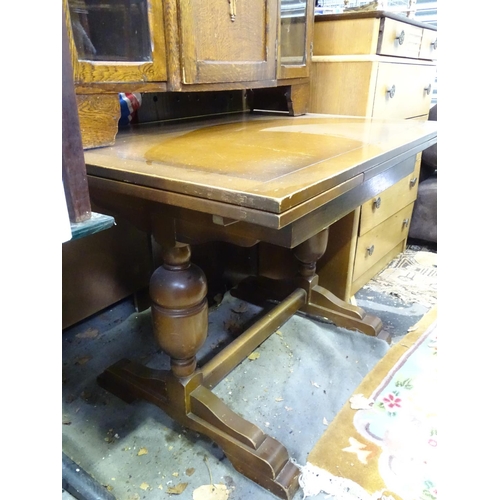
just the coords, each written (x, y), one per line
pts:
(267, 162)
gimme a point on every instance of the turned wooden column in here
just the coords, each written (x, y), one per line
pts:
(178, 291)
(309, 252)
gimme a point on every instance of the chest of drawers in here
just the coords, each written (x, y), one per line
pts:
(379, 65)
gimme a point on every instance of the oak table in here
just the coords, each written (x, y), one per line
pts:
(242, 179)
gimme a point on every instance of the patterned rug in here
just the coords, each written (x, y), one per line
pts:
(383, 442)
(411, 276)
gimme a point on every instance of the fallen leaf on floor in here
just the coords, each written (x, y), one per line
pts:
(175, 474)
(325, 421)
(279, 399)
(211, 492)
(360, 402)
(144, 486)
(232, 327)
(254, 356)
(83, 360)
(177, 489)
(190, 471)
(314, 383)
(240, 308)
(90, 333)
(142, 451)
(279, 333)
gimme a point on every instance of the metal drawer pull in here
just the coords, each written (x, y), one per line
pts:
(406, 222)
(392, 91)
(370, 250)
(377, 203)
(401, 38)
(434, 44)
(232, 10)
(413, 182)
(428, 89)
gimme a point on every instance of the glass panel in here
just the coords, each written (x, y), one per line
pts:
(293, 32)
(111, 30)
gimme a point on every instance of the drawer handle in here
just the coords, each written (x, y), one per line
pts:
(434, 44)
(406, 222)
(377, 203)
(370, 250)
(428, 89)
(413, 182)
(401, 37)
(392, 91)
(232, 10)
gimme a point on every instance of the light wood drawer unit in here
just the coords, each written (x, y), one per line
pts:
(374, 244)
(380, 65)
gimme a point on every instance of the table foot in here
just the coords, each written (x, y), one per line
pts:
(320, 302)
(323, 303)
(253, 453)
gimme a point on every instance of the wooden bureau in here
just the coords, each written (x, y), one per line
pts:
(379, 65)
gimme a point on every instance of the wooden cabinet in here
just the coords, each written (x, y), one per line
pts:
(179, 46)
(187, 44)
(380, 65)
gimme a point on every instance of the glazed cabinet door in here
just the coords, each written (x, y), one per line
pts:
(116, 40)
(295, 38)
(224, 41)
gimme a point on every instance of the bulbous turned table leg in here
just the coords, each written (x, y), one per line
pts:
(179, 308)
(321, 302)
(179, 312)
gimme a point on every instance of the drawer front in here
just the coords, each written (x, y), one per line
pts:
(377, 267)
(380, 208)
(403, 90)
(428, 47)
(374, 244)
(399, 39)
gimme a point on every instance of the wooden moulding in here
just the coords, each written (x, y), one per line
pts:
(99, 115)
(73, 164)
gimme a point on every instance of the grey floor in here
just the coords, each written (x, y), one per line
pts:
(305, 372)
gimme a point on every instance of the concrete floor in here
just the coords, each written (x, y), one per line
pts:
(305, 373)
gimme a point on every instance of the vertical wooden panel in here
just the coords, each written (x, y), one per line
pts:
(73, 164)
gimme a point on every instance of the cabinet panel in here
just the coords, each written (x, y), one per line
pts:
(342, 87)
(345, 36)
(403, 90)
(227, 41)
(119, 41)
